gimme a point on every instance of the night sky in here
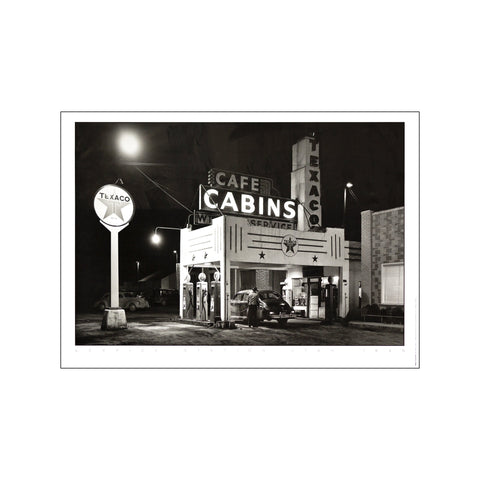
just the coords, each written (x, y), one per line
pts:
(178, 156)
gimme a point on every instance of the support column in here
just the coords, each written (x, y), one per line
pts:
(114, 303)
(225, 276)
(366, 257)
(183, 275)
(114, 317)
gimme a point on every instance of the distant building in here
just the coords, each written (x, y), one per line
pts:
(382, 253)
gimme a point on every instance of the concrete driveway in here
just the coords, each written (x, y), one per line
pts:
(158, 327)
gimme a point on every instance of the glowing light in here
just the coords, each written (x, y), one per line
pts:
(156, 239)
(349, 185)
(129, 143)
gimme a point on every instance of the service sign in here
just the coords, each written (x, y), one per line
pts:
(239, 181)
(113, 205)
(247, 204)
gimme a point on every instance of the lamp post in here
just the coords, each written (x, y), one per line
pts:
(157, 239)
(347, 185)
(138, 269)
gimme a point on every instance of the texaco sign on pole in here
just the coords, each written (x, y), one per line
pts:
(115, 208)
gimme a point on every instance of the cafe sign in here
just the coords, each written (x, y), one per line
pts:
(239, 181)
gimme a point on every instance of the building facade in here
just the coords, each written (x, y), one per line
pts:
(382, 257)
(272, 243)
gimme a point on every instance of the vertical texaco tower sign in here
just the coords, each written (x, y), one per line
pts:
(113, 205)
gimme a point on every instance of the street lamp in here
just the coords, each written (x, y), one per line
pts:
(157, 239)
(176, 256)
(347, 185)
(138, 269)
(129, 143)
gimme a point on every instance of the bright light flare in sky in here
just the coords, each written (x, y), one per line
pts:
(129, 143)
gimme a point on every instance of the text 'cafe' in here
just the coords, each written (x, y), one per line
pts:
(258, 239)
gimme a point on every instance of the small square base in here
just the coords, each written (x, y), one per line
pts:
(114, 319)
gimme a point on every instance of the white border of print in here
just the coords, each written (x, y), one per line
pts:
(406, 356)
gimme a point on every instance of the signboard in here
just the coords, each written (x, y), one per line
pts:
(202, 218)
(239, 181)
(247, 204)
(113, 205)
(305, 179)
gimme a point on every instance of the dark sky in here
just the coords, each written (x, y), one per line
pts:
(369, 155)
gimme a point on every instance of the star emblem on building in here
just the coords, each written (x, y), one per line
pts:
(290, 243)
(262, 255)
(315, 258)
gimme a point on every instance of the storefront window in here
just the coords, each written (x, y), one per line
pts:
(299, 292)
(392, 283)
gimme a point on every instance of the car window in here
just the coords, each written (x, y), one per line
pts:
(270, 295)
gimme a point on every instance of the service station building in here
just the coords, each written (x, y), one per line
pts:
(258, 239)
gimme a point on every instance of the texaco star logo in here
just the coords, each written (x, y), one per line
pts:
(113, 205)
(289, 245)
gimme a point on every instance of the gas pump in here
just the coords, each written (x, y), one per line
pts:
(331, 301)
(202, 297)
(345, 295)
(188, 307)
(215, 297)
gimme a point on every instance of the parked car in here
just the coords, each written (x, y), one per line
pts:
(272, 306)
(166, 296)
(128, 300)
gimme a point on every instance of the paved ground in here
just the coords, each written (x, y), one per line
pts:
(156, 327)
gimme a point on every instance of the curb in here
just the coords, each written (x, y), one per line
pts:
(204, 323)
(377, 327)
(191, 321)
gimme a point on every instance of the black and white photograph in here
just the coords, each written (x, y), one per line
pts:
(239, 240)
(246, 233)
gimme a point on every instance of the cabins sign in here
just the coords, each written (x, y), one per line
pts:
(247, 204)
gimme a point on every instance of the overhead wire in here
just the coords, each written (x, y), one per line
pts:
(352, 193)
(163, 189)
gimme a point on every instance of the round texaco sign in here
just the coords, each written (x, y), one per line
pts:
(289, 245)
(113, 205)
